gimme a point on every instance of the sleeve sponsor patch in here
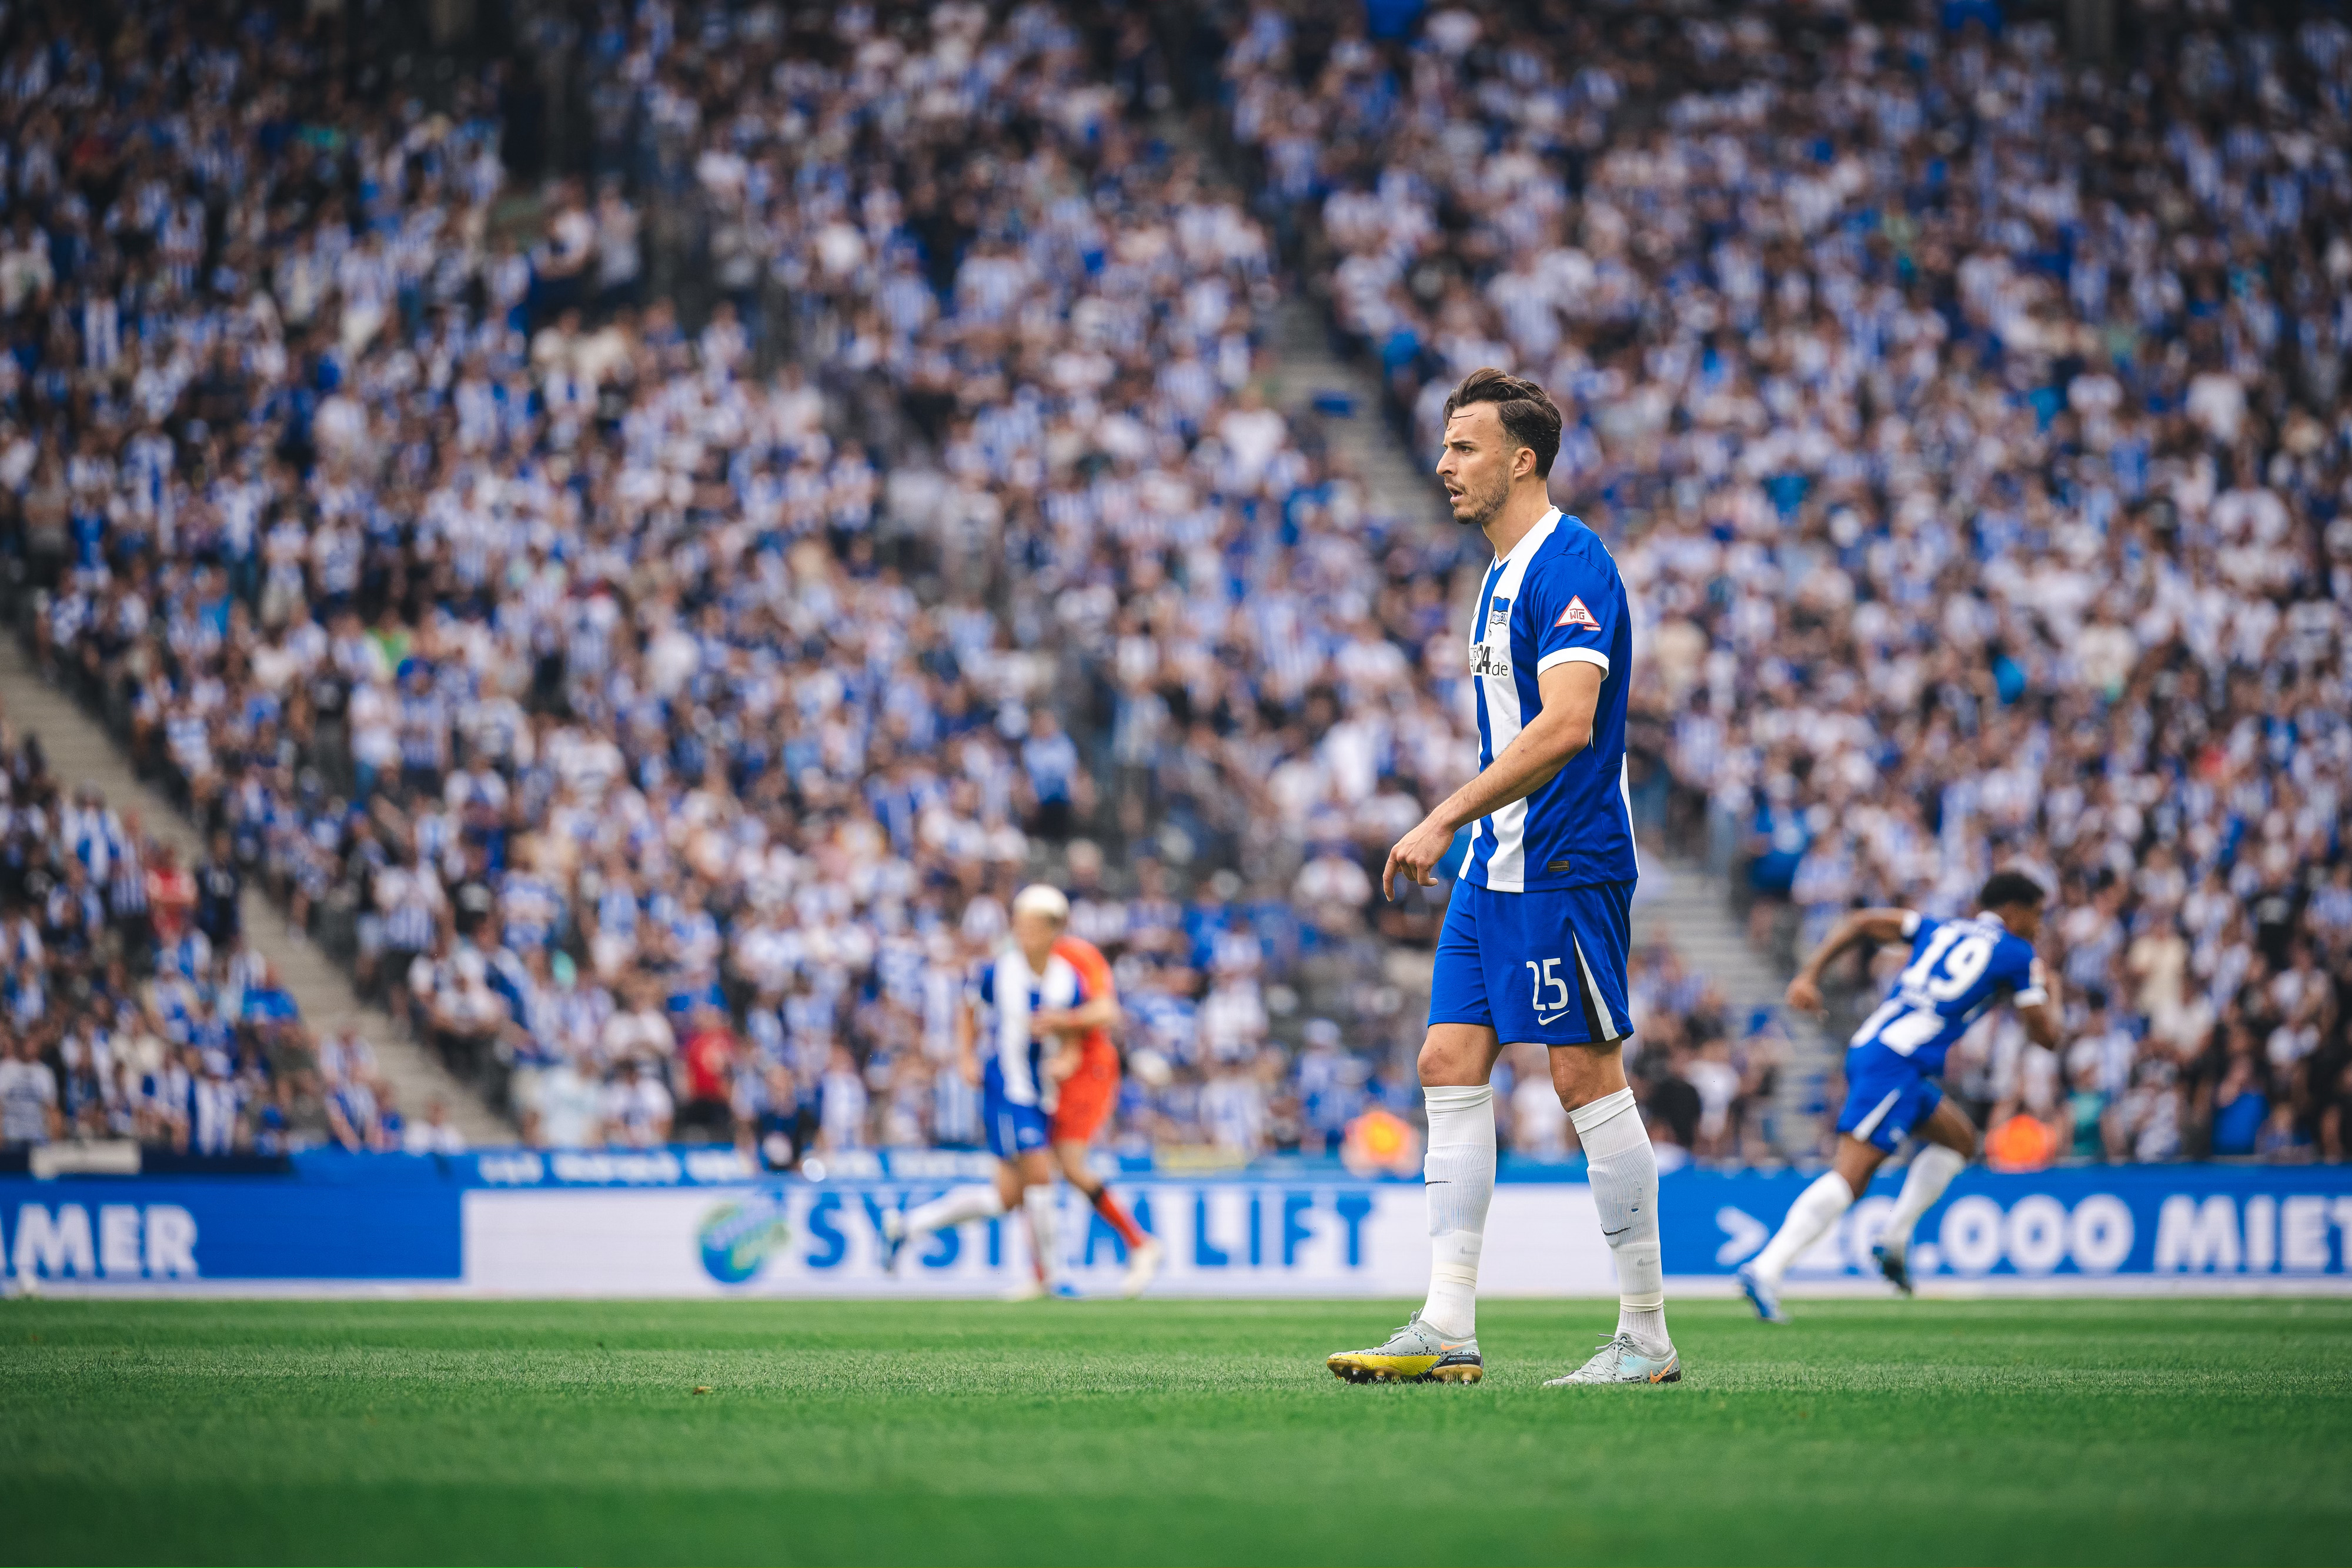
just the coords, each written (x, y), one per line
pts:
(1576, 614)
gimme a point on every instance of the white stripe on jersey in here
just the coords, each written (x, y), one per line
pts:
(1499, 719)
(1625, 793)
(1018, 992)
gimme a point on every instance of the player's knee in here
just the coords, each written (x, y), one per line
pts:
(1442, 1062)
(1580, 1076)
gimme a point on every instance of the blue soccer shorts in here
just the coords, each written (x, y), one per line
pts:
(1548, 966)
(1885, 1097)
(1012, 1130)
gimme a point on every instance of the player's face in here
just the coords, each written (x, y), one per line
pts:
(2022, 920)
(1475, 467)
(1035, 933)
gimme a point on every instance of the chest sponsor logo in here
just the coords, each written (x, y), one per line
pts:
(1487, 660)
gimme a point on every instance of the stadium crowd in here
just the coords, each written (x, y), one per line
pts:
(556, 651)
(134, 1008)
(661, 709)
(1976, 429)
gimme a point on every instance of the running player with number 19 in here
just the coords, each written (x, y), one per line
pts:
(1958, 969)
(1538, 923)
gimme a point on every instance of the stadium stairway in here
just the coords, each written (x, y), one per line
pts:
(1678, 898)
(78, 749)
(1306, 374)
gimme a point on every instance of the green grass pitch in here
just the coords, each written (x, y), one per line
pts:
(2143, 1431)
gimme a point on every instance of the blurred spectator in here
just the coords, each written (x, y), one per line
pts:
(28, 1097)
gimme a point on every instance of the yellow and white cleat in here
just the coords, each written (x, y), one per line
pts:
(1414, 1354)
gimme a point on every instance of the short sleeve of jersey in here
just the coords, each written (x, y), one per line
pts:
(1571, 604)
(1094, 970)
(984, 984)
(2022, 969)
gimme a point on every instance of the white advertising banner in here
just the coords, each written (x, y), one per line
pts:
(1224, 1238)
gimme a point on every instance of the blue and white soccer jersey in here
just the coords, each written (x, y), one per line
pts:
(1012, 1075)
(1537, 928)
(1957, 969)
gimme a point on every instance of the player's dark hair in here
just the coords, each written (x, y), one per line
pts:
(1529, 416)
(2005, 888)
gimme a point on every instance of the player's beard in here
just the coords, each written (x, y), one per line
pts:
(1481, 506)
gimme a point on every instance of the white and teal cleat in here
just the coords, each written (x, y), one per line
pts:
(894, 1239)
(1414, 1354)
(1764, 1296)
(1621, 1359)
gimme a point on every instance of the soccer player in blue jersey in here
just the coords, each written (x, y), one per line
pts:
(1016, 1039)
(1958, 969)
(1537, 929)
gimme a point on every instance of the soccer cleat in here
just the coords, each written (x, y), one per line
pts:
(1029, 1287)
(1764, 1297)
(894, 1239)
(1414, 1354)
(1895, 1266)
(1142, 1268)
(1065, 1291)
(1621, 1359)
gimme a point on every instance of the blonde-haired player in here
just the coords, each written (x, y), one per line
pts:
(1020, 1034)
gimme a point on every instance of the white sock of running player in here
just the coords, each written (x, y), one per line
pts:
(1623, 1171)
(1816, 1209)
(1039, 1201)
(1458, 1177)
(952, 1208)
(1932, 1170)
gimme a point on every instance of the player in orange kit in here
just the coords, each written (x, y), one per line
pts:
(1087, 1091)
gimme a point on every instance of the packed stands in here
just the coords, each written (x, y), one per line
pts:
(651, 614)
(1975, 425)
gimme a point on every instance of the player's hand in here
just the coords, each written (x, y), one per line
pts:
(970, 1067)
(1416, 856)
(1804, 995)
(1053, 1020)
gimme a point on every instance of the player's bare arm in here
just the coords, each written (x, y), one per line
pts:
(1064, 1061)
(1876, 925)
(1571, 692)
(2039, 1021)
(1101, 1012)
(967, 1037)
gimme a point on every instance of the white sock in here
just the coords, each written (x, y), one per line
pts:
(1458, 1177)
(1039, 1202)
(1624, 1172)
(1816, 1209)
(952, 1208)
(1932, 1170)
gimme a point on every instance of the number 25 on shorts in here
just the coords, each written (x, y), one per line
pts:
(1545, 978)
